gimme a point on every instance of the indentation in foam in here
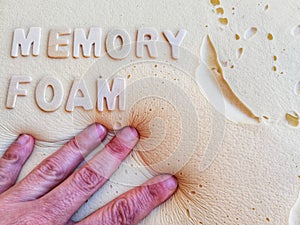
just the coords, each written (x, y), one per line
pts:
(223, 21)
(220, 12)
(117, 125)
(294, 218)
(295, 31)
(270, 37)
(266, 7)
(215, 2)
(292, 118)
(214, 87)
(250, 33)
(239, 53)
(297, 88)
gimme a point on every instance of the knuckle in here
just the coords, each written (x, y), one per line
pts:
(5, 178)
(11, 157)
(123, 212)
(87, 179)
(117, 147)
(151, 193)
(74, 145)
(51, 169)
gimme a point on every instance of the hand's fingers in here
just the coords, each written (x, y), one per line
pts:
(13, 159)
(58, 166)
(134, 205)
(70, 222)
(74, 191)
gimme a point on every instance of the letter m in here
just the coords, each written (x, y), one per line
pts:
(104, 92)
(25, 43)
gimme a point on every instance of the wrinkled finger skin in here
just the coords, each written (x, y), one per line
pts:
(53, 192)
(136, 204)
(58, 166)
(13, 159)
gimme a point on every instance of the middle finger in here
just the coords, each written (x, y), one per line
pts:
(65, 199)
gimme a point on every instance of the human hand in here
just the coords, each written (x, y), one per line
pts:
(53, 192)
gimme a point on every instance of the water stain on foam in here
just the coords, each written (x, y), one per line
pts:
(250, 33)
(292, 119)
(215, 88)
(295, 31)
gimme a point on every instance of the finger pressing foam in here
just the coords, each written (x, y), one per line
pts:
(212, 88)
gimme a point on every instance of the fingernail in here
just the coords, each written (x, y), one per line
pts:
(171, 183)
(101, 131)
(23, 139)
(128, 134)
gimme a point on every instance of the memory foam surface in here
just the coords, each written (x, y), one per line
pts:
(221, 116)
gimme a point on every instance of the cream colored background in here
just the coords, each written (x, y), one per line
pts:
(254, 178)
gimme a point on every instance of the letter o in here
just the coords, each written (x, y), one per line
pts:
(111, 38)
(58, 94)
